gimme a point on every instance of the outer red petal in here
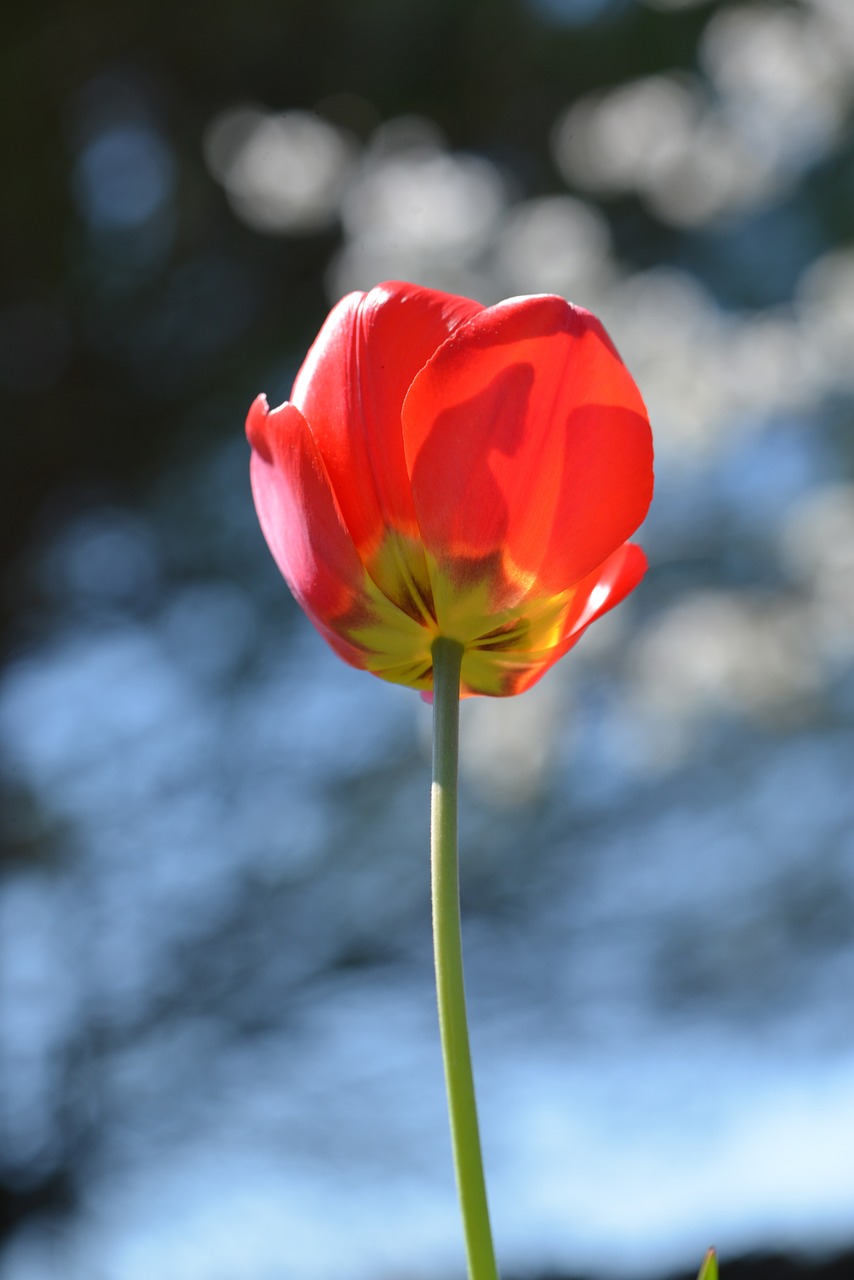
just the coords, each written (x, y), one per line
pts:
(525, 434)
(301, 521)
(351, 390)
(596, 594)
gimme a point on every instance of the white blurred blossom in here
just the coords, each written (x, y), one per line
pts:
(283, 174)
(720, 653)
(784, 80)
(661, 138)
(554, 244)
(417, 211)
(818, 547)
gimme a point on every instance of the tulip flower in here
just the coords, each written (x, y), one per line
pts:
(448, 493)
(448, 469)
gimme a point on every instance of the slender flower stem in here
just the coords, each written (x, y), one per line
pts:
(447, 945)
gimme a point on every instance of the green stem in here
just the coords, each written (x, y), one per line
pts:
(447, 945)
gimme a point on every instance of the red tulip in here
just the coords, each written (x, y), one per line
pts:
(444, 468)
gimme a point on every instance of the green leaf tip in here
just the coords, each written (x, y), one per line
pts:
(709, 1269)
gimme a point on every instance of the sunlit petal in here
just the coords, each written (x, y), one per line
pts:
(351, 390)
(300, 519)
(526, 434)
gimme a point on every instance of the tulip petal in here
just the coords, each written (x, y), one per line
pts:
(301, 521)
(526, 436)
(501, 671)
(351, 390)
(594, 596)
(304, 529)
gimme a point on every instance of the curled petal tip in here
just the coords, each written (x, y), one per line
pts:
(256, 422)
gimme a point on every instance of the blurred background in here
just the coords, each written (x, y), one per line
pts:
(218, 1050)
